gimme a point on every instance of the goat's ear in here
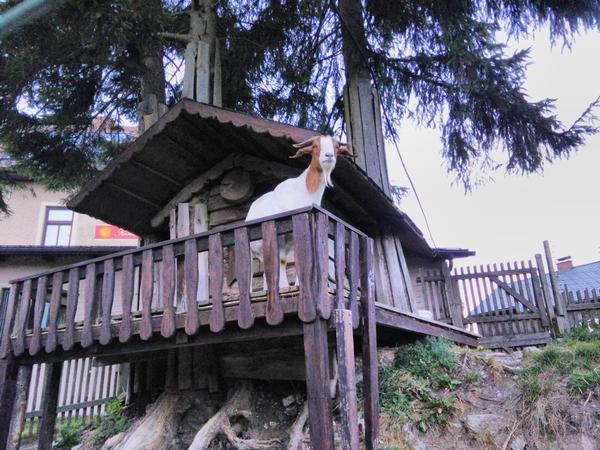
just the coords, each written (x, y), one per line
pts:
(301, 151)
(345, 151)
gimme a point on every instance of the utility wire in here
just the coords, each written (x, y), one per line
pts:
(387, 119)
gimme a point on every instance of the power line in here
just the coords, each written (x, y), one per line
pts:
(388, 121)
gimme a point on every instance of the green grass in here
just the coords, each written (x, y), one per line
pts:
(112, 422)
(418, 386)
(574, 359)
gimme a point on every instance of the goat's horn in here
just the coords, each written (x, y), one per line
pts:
(299, 153)
(306, 142)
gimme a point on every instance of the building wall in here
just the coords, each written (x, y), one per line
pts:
(415, 265)
(25, 226)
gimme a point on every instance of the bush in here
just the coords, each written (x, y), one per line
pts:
(112, 422)
(407, 387)
(67, 433)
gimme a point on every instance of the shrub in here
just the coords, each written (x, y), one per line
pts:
(67, 433)
(112, 422)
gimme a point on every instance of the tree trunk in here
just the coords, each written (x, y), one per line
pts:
(363, 113)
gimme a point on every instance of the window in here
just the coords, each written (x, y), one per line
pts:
(57, 226)
(3, 305)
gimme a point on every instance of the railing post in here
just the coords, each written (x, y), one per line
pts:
(20, 407)
(560, 304)
(369, 344)
(8, 383)
(49, 405)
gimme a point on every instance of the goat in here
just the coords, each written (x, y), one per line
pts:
(294, 193)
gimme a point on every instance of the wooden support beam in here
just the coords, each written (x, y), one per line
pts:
(346, 378)
(452, 297)
(316, 355)
(20, 407)
(369, 344)
(49, 405)
(8, 384)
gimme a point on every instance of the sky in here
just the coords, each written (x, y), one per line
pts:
(508, 219)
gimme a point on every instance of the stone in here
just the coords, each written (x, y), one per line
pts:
(588, 443)
(291, 411)
(288, 401)
(518, 443)
(531, 349)
(481, 423)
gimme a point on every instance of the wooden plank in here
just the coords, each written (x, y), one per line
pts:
(316, 356)
(517, 296)
(454, 303)
(108, 293)
(51, 339)
(274, 313)
(406, 274)
(539, 300)
(125, 330)
(583, 306)
(346, 378)
(38, 312)
(559, 303)
(396, 278)
(244, 277)
(215, 275)
(354, 275)
(546, 299)
(522, 340)
(49, 405)
(9, 369)
(340, 265)
(8, 321)
(88, 306)
(303, 252)
(168, 292)
(184, 368)
(147, 289)
(72, 297)
(502, 318)
(321, 223)
(191, 287)
(21, 319)
(369, 344)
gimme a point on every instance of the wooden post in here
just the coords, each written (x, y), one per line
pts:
(8, 384)
(346, 378)
(454, 303)
(316, 356)
(20, 407)
(369, 344)
(49, 405)
(547, 296)
(560, 305)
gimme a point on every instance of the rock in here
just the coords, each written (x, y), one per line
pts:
(518, 443)
(531, 349)
(113, 441)
(587, 443)
(289, 400)
(291, 411)
(482, 423)
(77, 447)
(386, 355)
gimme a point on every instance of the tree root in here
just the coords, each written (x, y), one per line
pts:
(297, 433)
(239, 405)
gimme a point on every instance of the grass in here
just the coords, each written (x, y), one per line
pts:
(418, 385)
(559, 376)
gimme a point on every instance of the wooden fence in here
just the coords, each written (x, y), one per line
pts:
(84, 391)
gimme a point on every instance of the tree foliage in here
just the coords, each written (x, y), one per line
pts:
(440, 62)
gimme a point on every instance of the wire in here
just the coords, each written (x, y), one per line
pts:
(388, 121)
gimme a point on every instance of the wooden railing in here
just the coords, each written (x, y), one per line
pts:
(154, 289)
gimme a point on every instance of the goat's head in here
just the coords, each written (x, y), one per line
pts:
(324, 151)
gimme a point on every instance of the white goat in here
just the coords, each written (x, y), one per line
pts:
(294, 193)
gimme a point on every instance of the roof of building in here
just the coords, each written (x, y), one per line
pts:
(193, 137)
(580, 278)
(45, 250)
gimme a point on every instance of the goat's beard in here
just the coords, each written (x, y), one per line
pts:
(327, 175)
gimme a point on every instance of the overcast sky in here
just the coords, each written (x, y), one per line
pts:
(508, 219)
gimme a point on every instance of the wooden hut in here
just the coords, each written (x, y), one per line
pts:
(185, 186)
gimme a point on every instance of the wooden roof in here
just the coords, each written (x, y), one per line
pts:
(191, 138)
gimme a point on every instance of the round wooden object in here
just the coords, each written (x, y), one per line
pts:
(236, 186)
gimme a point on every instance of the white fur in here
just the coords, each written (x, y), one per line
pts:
(289, 195)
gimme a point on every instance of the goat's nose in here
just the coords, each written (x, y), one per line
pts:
(329, 155)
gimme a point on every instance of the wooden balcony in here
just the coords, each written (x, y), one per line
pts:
(157, 289)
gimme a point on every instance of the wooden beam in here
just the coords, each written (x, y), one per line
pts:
(49, 405)
(369, 344)
(517, 296)
(9, 369)
(346, 378)
(316, 355)
(133, 195)
(20, 407)
(158, 173)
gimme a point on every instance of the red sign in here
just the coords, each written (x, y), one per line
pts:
(112, 232)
